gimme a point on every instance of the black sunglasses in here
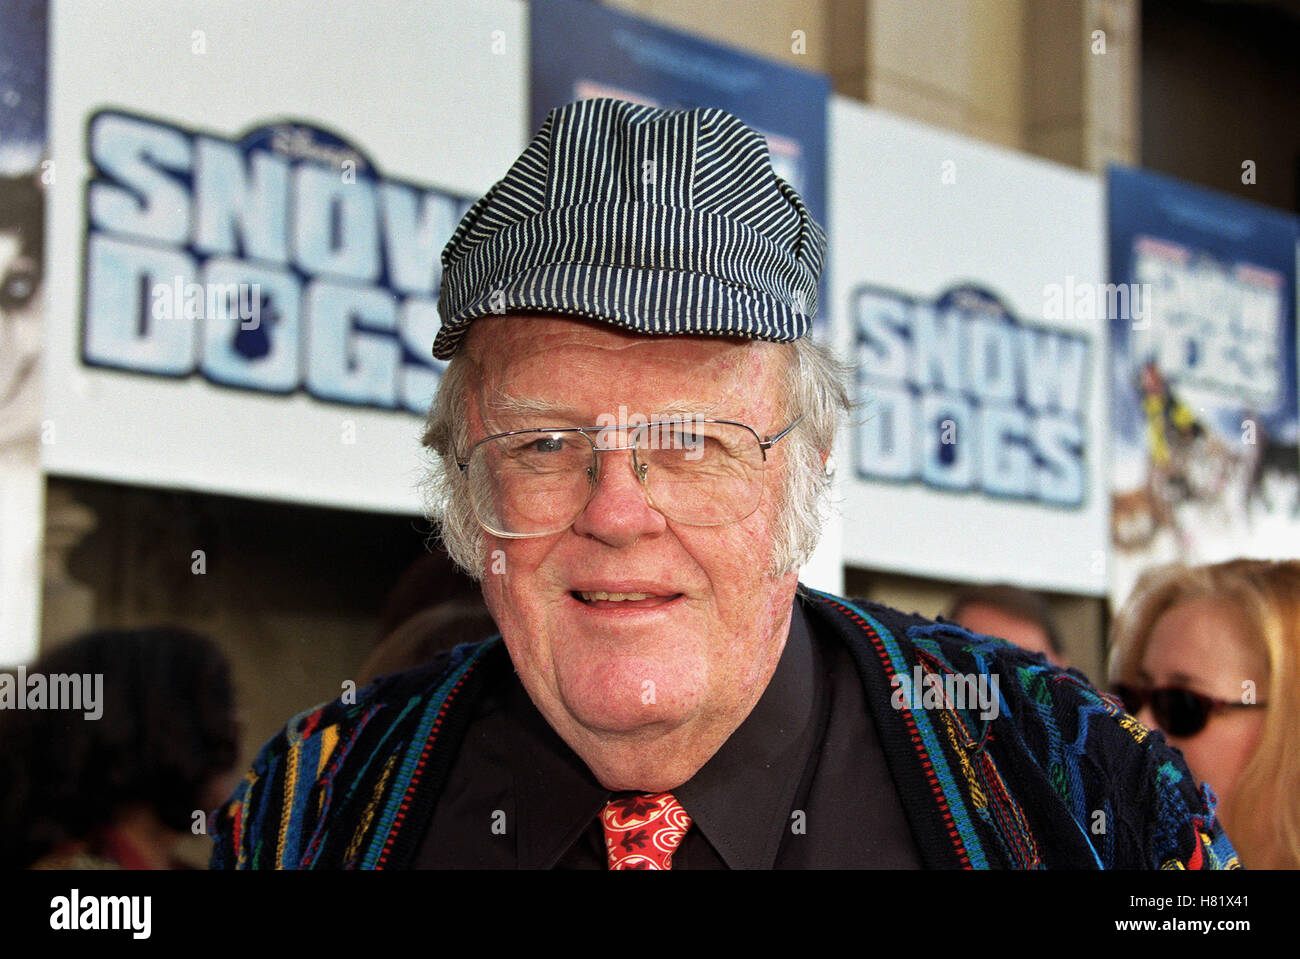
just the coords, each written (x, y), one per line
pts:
(1179, 712)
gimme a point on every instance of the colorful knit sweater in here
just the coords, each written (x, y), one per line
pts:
(1060, 777)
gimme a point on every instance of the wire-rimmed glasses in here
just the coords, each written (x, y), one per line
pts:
(695, 471)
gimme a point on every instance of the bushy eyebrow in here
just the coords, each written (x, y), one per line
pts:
(505, 405)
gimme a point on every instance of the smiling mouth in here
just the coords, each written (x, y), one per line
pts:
(598, 599)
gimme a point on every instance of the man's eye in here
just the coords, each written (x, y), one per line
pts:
(538, 445)
(672, 436)
(695, 441)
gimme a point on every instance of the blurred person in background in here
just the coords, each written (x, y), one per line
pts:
(1010, 613)
(431, 580)
(120, 790)
(425, 634)
(1209, 655)
(431, 608)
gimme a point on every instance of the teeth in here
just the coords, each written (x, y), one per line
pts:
(615, 597)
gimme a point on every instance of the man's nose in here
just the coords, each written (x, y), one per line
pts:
(619, 513)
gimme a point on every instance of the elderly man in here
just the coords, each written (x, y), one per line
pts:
(632, 436)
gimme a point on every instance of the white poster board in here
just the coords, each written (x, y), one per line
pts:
(964, 279)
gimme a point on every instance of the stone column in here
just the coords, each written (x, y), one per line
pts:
(1034, 75)
(1112, 85)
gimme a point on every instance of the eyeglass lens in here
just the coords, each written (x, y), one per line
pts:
(1179, 712)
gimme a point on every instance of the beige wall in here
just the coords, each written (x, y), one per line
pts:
(1021, 73)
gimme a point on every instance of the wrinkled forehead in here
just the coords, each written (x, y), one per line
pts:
(549, 362)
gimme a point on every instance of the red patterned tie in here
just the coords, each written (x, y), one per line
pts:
(643, 830)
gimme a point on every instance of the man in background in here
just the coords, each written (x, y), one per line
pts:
(1010, 613)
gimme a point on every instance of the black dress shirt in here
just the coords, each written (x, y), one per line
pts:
(802, 783)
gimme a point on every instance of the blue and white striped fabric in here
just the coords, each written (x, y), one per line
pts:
(658, 221)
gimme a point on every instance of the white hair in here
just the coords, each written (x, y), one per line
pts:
(814, 386)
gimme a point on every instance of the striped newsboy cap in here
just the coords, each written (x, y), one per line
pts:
(657, 221)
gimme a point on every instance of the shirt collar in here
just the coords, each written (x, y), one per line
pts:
(557, 796)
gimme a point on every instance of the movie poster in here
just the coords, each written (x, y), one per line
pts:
(22, 260)
(966, 298)
(1205, 464)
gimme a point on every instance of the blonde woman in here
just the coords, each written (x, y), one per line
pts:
(1210, 655)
